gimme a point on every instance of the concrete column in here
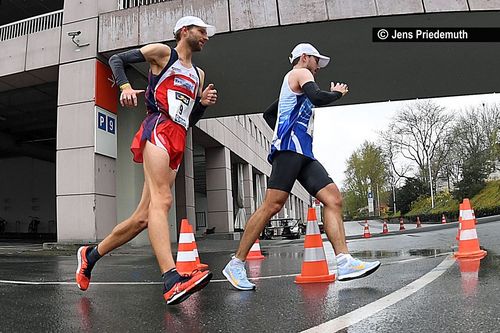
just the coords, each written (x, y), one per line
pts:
(219, 190)
(184, 189)
(248, 198)
(85, 181)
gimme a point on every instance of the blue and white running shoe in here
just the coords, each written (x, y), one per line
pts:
(354, 268)
(236, 274)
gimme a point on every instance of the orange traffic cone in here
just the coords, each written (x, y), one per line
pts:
(461, 209)
(468, 243)
(186, 261)
(443, 219)
(314, 266)
(419, 225)
(199, 265)
(385, 230)
(255, 253)
(366, 231)
(401, 224)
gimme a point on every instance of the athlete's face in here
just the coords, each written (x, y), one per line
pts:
(313, 64)
(196, 38)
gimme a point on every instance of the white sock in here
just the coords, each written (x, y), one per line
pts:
(237, 261)
(343, 258)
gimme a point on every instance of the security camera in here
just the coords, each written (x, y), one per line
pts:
(74, 33)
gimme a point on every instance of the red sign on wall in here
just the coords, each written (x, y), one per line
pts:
(106, 91)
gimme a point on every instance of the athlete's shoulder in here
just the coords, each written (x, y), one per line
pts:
(156, 52)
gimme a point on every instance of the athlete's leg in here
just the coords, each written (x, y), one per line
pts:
(334, 226)
(128, 229)
(273, 202)
(286, 166)
(87, 256)
(316, 180)
(159, 178)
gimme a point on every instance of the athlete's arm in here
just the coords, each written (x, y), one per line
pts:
(156, 54)
(271, 114)
(319, 97)
(204, 99)
(302, 80)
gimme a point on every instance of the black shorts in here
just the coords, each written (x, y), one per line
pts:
(289, 166)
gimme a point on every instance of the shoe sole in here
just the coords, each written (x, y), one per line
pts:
(362, 275)
(233, 284)
(79, 257)
(198, 285)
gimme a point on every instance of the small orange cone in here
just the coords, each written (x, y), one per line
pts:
(186, 261)
(419, 225)
(314, 266)
(199, 265)
(401, 224)
(366, 231)
(255, 253)
(385, 230)
(468, 243)
(443, 219)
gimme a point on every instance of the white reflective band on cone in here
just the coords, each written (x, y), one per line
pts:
(312, 228)
(255, 247)
(185, 256)
(468, 234)
(314, 254)
(467, 214)
(186, 238)
(195, 252)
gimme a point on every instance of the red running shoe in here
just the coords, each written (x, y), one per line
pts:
(186, 286)
(83, 271)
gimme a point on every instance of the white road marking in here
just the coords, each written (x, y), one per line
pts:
(63, 283)
(369, 310)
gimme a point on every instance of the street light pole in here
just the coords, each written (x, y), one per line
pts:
(430, 181)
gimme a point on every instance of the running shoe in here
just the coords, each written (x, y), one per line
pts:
(354, 268)
(83, 270)
(186, 286)
(237, 275)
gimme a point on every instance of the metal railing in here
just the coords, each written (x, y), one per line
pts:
(124, 4)
(31, 25)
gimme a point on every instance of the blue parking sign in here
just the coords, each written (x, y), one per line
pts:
(101, 121)
(111, 125)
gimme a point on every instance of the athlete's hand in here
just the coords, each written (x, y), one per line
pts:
(340, 87)
(209, 95)
(128, 96)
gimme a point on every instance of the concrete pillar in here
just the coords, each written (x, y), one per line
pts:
(184, 189)
(248, 197)
(219, 190)
(85, 180)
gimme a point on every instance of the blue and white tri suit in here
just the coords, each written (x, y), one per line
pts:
(295, 124)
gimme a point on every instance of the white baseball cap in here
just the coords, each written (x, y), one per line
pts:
(308, 49)
(193, 20)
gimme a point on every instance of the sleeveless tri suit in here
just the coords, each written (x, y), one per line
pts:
(170, 97)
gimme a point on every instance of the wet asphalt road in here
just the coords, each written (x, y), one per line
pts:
(126, 296)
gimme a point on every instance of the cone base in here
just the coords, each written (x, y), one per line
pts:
(480, 254)
(385, 232)
(367, 236)
(315, 279)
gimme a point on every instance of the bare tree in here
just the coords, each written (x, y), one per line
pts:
(420, 133)
(476, 135)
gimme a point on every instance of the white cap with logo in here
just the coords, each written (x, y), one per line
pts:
(186, 21)
(308, 49)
